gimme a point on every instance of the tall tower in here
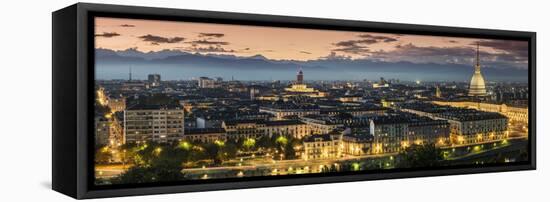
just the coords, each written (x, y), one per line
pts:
(129, 73)
(300, 77)
(437, 92)
(477, 84)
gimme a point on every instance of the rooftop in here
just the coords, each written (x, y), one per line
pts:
(198, 131)
(283, 122)
(140, 106)
(315, 138)
(453, 113)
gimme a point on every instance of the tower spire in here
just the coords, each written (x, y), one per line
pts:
(477, 57)
(300, 76)
(130, 73)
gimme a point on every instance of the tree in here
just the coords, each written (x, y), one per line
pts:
(249, 143)
(212, 151)
(103, 155)
(417, 156)
(229, 150)
(265, 142)
(289, 151)
(161, 170)
(154, 163)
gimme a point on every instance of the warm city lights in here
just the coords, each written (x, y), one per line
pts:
(182, 101)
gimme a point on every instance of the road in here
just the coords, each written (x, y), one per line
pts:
(298, 166)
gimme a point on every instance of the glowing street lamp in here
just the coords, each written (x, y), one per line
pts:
(185, 145)
(355, 166)
(158, 150)
(219, 143)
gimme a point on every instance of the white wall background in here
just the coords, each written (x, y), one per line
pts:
(25, 129)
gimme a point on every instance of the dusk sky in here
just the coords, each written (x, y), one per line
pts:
(301, 44)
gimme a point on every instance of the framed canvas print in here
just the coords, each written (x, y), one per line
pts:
(153, 100)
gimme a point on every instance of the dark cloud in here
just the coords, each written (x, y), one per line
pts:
(452, 41)
(107, 34)
(305, 52)
(159, 39)
(127, 25)
(430, 54)
(356, 50)
(412, 50)
(355, 42)
(514, 48)
(207, 42)
(217, 35)
(334, 56)
(212, 49)
(378, 38)
(448, 55)
(360, 46)
(357, 47)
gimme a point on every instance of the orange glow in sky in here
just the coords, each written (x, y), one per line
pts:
(271, 42)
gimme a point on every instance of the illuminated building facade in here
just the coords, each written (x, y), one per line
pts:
(108, 131)
(158, 123)
(320, 124)
(294, 128)
(102, 131)
(326, 146)
(428, 131)
(388, 134)
(467, 126)
(116, 104)
(355, 145)
(205, 135)
(257, 128)
(338, 143)
(243, 128)
(477, 128)
(519, 114)
(300, 88)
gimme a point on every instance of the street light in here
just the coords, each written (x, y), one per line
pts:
(158, 150)
(355, 166)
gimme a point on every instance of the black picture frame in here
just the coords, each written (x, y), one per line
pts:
(73, 89)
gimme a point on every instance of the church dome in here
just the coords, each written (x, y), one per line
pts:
(477, 84)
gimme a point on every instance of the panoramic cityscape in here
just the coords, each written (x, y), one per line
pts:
(180, 101)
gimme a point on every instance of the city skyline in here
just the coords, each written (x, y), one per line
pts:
(175, 101)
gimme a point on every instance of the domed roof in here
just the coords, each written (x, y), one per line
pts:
(477, 85)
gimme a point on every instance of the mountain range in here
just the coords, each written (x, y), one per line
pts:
(172, 62)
